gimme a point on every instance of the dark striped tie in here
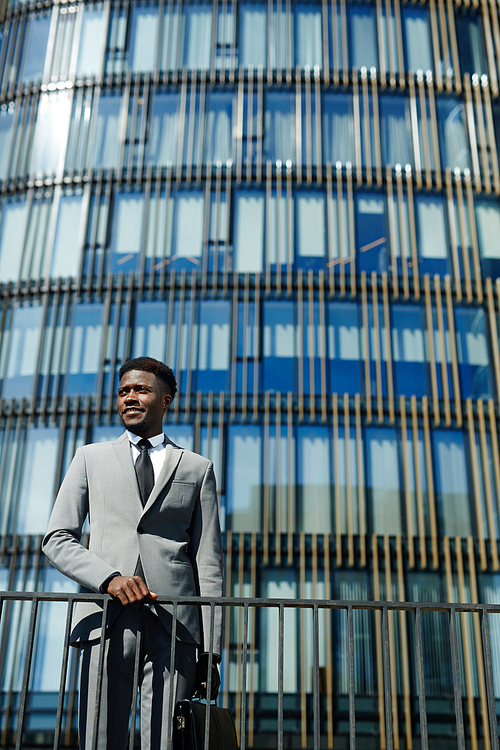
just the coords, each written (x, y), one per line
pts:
(144, 470)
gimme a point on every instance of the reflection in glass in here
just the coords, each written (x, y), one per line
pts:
(198, 36)
(66, 252)
(143, 32)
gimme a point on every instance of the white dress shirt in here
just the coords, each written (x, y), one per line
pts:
(156, 452)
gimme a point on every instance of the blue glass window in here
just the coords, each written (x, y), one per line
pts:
(20, 351)
(249, 213)
(363, 37)
(471, 47)
(279, 346)
(12, 233)
(395, 131)
(244, 477)
(280, 128)
(126, 231)
(66, 254)
(431, 235)
(6, 120)
(198, 36)
(219, 128)
(84, 348)
(38, 477)
(453, 141)
(383, 483)
(252, 35)
(488, 235)
(338, 129)
(472, 353)
(52, 128)
(91, 47)
(314, 481)
(162, 145)
(212, 366)
(308, 36)
(187, 230)
(372, 237)
(106, 148)
(418, 49)
(452, 486)
(344, 350)
(143, 34)
(34, 48)
(310, 217)
(408, 350)
(150, 330)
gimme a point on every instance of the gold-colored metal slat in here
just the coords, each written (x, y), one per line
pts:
(476, 482)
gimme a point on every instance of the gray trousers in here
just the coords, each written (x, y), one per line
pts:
(155, 682)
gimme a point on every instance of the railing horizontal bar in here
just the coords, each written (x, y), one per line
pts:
(263, 602)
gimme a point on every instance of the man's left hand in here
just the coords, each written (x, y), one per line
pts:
(200, 683)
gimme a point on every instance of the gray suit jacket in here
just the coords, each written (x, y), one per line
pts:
(175, 536)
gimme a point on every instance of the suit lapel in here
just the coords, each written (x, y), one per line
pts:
(122, 450)
(172, 457)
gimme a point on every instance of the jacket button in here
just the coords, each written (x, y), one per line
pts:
(140, 530)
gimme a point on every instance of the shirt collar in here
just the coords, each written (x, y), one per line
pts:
(155, 441)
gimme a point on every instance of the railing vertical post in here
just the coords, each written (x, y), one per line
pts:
(171, 682)
(209, 676)
(490, 687)
(100, 670)
(316, 709)
(457, 688)
(64, 672)
(350, 656)
(387, 679)
(135, 686)
(244, 657)
(280, 674)
(26, 674)
(424, 737)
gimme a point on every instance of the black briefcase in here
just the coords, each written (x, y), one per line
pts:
(189, 727)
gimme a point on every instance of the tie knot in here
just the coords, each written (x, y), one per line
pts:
(144, 444)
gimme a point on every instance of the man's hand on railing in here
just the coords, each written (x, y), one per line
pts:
(129, 589)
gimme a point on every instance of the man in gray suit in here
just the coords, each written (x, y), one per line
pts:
(154, 532)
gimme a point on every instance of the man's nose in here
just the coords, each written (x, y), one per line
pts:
(131, 396)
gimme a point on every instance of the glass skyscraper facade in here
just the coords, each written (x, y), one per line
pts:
(296, 206)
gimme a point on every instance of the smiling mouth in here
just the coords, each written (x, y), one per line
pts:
(133, 411)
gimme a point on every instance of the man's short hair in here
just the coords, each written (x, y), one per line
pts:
(148, 364)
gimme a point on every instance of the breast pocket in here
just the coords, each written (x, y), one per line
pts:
(180, 493)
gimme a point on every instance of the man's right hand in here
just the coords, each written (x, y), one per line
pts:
(129, 589)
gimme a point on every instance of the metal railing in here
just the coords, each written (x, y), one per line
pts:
(399, 654)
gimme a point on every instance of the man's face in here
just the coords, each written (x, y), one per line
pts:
(141, 403)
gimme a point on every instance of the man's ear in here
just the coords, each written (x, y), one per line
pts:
(167, 400)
